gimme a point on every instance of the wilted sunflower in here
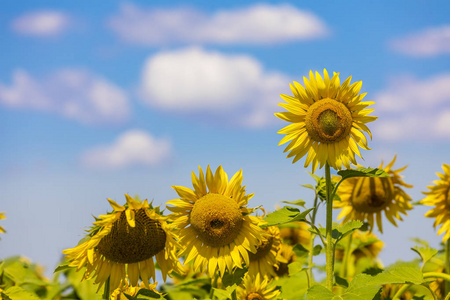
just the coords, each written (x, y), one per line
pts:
(363, 198)
(264, 260)
(123, 243)
(252, 288)
(328, 120)
(214, 224)
(439, 196)
(2, 216)
(125, 288)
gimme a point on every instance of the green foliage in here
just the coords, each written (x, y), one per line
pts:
(362, 172)
(426, 253)
(285, 215)
(339, 231)
(234, 278)
(298, 202)
(144, 294)
(321, 187)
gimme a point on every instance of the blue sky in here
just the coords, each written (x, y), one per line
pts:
(130, 97)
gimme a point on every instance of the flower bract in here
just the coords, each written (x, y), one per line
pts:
(215, 228)
(328, 121)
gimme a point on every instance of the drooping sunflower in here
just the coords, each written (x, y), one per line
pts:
(123, 243)
(125, 288)
(214, 224)
(253, 288)
(439, 196)
(366, 198)
(328, 120)
(264, 261)
(2, 216)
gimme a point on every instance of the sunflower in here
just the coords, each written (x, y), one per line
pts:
(213, 221)
(123, 243)
(264, 260)
(252, 288)
(363, 198)
(439, 196)
(125, 288)
(295, 233)
(285, 256)
(328, 120)
(2, 216)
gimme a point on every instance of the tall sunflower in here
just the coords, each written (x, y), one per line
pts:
(366, 198)
(123, 243)
(439, 196)
(253, 288)
(264, 261)
(328, 120)
(2, 216)
(214, 224)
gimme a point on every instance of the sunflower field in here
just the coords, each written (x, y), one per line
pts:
(214, 242)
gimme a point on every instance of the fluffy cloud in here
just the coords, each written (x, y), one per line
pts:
(258, 24)
(75, 94)
(413, 108)
(429, 42)
(132, 148)
(233, 88)
(41, 23)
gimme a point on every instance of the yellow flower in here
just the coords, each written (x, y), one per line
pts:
(285, 256)
(214, 224)
(328, 120)
(2, 216)
(363, 198)
(439, 196)
(264, 260)
(123, 243)
(125, 288)
(295, 233)
(252, 288)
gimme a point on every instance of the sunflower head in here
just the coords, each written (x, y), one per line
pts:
(254, 288)
(295, 233)
(285, 256)
(123, 243)
(328, 120)
(366, 198)
(438, 195)
(213, 221)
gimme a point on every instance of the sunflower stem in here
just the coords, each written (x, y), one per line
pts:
(329, 224)
(401, 291)
(311, 243)
(447, 265)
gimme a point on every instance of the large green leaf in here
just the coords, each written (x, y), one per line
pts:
(229, 279)
(405, 272)
(362, 172)
(285, 215)
(18, 293)
(319, 292)
(426, 253)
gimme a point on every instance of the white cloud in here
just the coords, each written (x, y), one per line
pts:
(232, 88)
(413, 108)
(41, 23)
(258, 24)
(429, 42)
(76, 94)
(132, 148)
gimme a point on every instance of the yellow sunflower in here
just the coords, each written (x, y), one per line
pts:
(285, 256)
(328, 120)
(439, 196)
(295, 233)
(123, 243)
(214, 224)
(264, 260)
(252, 288)
(125, 288)
(363, 198)
(2, 216)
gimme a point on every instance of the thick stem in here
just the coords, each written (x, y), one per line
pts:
(330, 248)
(447, 265)
(311, 244)
(401, 291)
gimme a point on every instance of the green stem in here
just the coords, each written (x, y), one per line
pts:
(213, 284)
(329, 238)
(311, 244)
(447, 265)
(347, 253)
(444, 276)
(106, 289)
(401, 291)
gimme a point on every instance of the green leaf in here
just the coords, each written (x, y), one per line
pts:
(298, 202)
(361, 288)
(341, 281)
(300, 250)
(349, 227)
(148, 293)
(362, 172)
(285, 215)
(405, 272)
(295, 267)
(426, 253)
(225, 294)
(62, 267)
(319, 292)
(18, 293)
(309, 186)
(317, 249)
(233, 278)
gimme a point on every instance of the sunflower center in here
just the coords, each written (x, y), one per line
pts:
(254, 296)
(126, 244)
(328, 121)
(216, 219)
(262, 250)
(372, 194)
